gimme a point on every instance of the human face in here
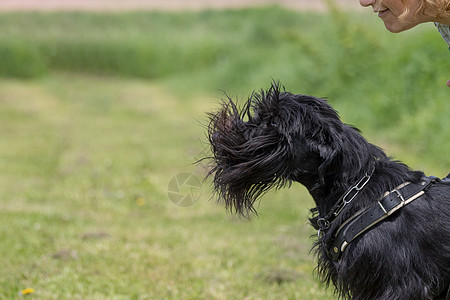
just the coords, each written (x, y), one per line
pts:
(392, 13)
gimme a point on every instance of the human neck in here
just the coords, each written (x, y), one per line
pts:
(432, 15)
(445, 21)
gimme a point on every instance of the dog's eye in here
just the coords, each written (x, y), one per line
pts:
(272, 124)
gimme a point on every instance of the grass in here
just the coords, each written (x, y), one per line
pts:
(98, 112)
(86, 162)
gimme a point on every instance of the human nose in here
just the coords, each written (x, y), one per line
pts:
(366, 3)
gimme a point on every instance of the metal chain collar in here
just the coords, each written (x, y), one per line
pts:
(325, 222)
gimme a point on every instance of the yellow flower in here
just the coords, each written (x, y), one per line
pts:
(140, 201)
(27, 291)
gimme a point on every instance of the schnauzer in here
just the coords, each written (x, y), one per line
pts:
(383, 229)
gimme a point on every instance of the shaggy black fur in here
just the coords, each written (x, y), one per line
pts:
(278, 138)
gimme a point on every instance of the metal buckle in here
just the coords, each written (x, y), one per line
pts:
(399, 195)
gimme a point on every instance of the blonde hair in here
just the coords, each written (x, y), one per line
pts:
(441, 8)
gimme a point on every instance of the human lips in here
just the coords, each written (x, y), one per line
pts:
(381, 12)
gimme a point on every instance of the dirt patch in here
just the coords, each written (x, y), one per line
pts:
(171, 5)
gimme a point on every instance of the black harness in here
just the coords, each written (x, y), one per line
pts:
(363, 220)
(368, 217)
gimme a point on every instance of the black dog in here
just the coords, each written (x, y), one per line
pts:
(384, 230)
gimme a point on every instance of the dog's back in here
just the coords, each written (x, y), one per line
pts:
(407, 256)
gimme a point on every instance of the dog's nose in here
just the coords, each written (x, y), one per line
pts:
(366, 3)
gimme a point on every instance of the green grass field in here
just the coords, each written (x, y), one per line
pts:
(98, 112)
(86, 164)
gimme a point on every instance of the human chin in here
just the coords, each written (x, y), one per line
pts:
(396, 26)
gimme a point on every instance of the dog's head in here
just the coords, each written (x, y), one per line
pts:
(275, 138)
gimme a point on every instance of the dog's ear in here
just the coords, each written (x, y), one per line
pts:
(328, 155)
(329, 151)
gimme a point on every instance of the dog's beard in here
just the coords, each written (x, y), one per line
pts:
(249, 159)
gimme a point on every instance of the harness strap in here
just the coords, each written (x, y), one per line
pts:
(367, 218)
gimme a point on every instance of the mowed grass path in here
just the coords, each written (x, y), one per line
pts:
(85, 164)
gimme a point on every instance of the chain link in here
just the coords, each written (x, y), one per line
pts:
(355, 190)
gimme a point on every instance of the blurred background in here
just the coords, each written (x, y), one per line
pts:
(102, 117)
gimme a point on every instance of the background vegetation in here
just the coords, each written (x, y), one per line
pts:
(99, 111)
